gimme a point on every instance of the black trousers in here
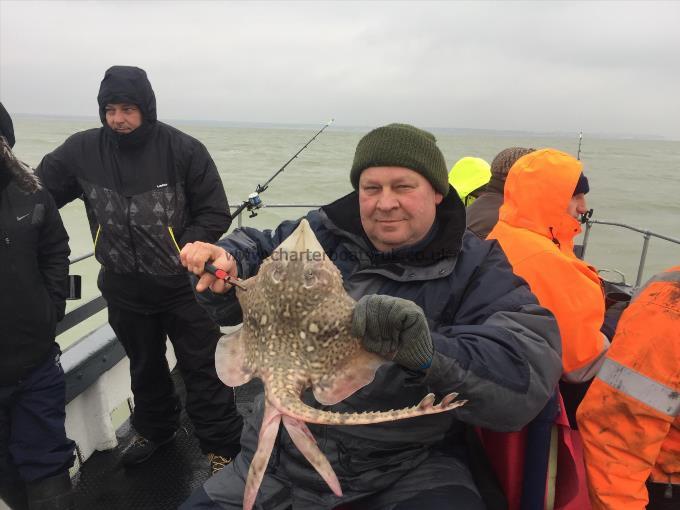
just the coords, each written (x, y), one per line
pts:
(441, 498)
(209, 403)
(661, 497)
(33, 442)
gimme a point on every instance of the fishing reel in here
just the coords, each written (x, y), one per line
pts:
(254, 203)
(586, 216)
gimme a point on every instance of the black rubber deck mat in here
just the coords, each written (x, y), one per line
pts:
(161, 483)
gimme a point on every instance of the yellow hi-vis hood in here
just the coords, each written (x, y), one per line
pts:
(469, 174)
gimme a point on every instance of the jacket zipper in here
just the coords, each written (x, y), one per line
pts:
(96, 237)
(174, 241)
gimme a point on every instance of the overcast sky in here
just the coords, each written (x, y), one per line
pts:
(610, 67)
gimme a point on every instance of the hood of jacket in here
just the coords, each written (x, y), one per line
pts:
(128, 84)
(13, 169)
(6, 126)
(537, 193)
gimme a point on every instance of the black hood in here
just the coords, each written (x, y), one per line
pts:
(127, 84)
(6, 126)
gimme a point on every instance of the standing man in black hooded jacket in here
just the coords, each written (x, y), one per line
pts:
(149, 189)
(35, 454)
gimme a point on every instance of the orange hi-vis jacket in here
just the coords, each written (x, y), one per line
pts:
(537, 234)
(630, 418)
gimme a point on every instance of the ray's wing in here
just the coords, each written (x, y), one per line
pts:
(265, 444)
(304, 440)
(230, 359)
(348, 377)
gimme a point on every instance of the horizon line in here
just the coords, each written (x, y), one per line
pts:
(357, 127)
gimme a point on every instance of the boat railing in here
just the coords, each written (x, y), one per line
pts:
(646, 236)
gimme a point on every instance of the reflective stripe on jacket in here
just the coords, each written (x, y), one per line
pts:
(630, 417)
(537, 234)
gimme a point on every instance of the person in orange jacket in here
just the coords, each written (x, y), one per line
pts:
(543, 198)
(630, 418)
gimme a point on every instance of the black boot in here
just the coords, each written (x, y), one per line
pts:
(14, 495)
(142, 449)
(52, 493)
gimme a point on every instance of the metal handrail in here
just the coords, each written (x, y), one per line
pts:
(81, 257)
(646, 234)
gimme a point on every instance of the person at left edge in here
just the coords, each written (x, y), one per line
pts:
(35, 453)
(148, 189)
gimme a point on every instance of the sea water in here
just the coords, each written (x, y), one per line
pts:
(632, 181)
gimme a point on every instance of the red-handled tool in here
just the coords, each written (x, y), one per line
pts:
(223, 275)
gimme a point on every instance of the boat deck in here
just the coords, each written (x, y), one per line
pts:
(161, 483)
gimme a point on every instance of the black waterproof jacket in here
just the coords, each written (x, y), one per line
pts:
(146, 194)
(493, 345)
(33, 270)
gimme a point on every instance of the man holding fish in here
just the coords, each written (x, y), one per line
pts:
(439, 308)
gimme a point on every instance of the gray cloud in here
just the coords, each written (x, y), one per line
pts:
(603, 67)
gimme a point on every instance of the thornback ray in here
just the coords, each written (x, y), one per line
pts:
(296, 335)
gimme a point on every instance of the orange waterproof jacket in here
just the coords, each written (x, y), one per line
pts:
(630, 418)
(537, 235)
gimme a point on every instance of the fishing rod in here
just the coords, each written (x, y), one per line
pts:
(254, 201)
(580, 137)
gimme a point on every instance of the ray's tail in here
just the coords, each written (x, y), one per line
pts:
(291, 405)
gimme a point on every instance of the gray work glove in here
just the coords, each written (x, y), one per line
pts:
(394, 328)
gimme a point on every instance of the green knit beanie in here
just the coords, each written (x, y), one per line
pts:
(404, 146)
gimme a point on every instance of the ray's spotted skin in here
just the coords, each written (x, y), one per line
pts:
(296, 334)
